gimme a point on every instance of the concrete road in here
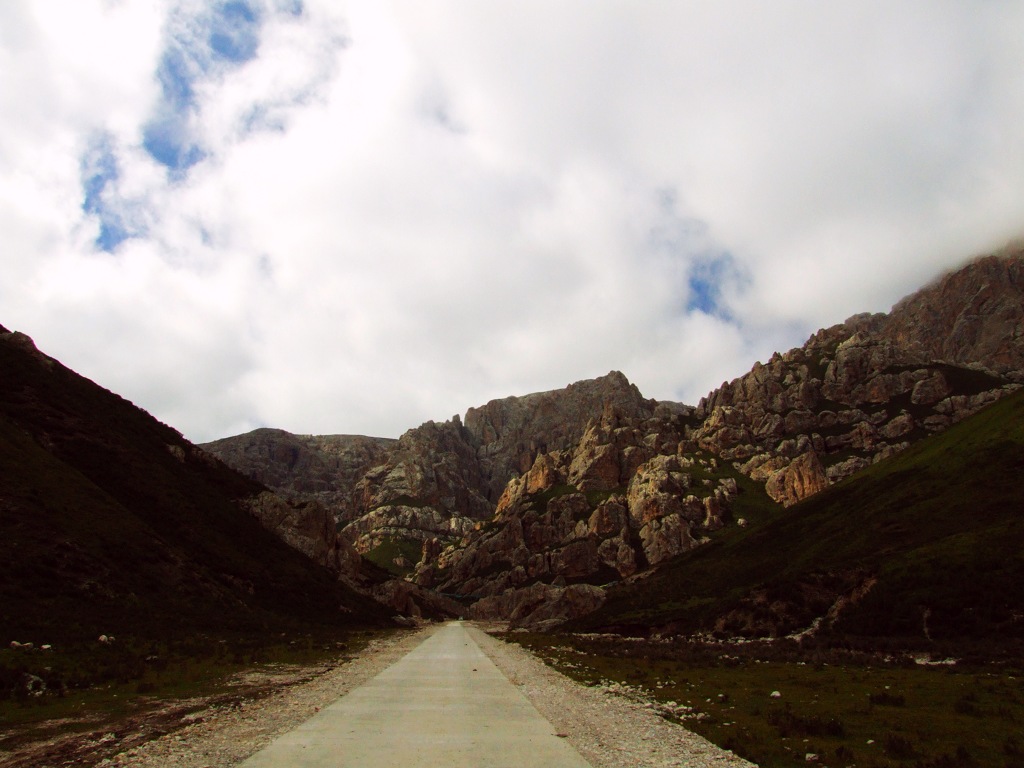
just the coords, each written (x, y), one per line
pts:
(443, 704)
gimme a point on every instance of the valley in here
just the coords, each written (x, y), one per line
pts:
(844, 517)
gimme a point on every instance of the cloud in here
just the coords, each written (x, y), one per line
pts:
(354, 217)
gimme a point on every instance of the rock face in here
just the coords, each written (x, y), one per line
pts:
(532, 503)
(630, 494)
(309, 527)
(438, 480)
(324, 467)
(510, 433)
(855, 393)
(973, 315)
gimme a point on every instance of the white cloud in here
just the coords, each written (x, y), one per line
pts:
(397, 211)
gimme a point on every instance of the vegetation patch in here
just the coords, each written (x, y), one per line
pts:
(775, 703)
(597, 498)
(389, 550)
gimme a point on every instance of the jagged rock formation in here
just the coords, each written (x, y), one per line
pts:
(429, 486)
(534, 502)
(860, 391)
(511, 432)
(438, 481)
(628, 495)
(309, 527)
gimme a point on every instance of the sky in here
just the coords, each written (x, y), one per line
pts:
(354, 217)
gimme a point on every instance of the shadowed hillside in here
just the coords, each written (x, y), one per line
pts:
(113, 523)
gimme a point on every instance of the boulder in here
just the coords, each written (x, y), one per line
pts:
(929, 391)
(803, 477)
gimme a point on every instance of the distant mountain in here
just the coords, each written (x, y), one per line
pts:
(529, 506)
(438, 481)
(113, 523)
(324, 467)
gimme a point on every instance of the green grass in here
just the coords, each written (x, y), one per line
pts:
(597, 498)
(850, 709)
(540, 500)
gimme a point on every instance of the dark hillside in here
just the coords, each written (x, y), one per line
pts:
(925, 549)
(111, 522)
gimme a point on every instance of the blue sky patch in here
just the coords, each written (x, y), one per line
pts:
(204, 48)
(705, 279)
(234, 32)
(100, 173)
(702, 268)
(176, 74)
(167, 141)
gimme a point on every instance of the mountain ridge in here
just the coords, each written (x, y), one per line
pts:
(539, 499)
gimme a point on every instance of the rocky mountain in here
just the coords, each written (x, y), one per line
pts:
(439, 480)
(973, 316)
(529, 505)
(510, 433)
(863, 390)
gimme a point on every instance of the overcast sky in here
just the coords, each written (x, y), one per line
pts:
(351, 217)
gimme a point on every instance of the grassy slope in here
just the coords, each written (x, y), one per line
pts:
(105, 530)
(940, 526)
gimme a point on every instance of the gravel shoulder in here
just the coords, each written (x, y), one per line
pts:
(217, 731)
(222, 737)
(610, 731)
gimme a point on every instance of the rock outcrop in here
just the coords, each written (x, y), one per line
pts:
(309, 527)
(511, 432)
(630, 494)
(846, 399)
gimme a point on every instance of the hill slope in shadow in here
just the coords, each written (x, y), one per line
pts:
(113, 523)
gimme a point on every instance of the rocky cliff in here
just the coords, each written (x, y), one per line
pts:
(972, 316)
(439, 480)
(863, 390)
(511, 432)
(627, 496)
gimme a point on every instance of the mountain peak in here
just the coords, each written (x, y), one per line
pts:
(974, 314)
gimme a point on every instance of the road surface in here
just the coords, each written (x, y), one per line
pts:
(443, 704)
